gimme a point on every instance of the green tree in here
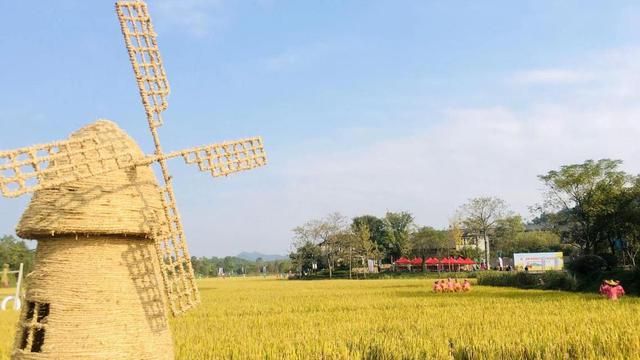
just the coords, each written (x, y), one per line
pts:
(305, 256)
(376, 229)
(582, 196)
(324, 233)
(480, 216)
(14, 251)
(506, 230)
(397, 229)
(427, 240)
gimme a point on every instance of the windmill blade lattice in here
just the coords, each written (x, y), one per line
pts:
(226, 158)
(140, 39)
(142, 45)
(217, 159)
(36, 167)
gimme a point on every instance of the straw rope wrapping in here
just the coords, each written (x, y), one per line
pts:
(175, 261)
(30, 169)
(110, 306)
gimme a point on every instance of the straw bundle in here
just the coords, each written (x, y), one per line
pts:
(124, 202)
(95, 291)
(104, 301)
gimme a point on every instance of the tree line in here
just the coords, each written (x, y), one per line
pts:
(592, 208)
(14, 251)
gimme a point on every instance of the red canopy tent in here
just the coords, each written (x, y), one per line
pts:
(416, 261)
(403, 262)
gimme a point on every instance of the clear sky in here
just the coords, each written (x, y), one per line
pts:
(364, 106)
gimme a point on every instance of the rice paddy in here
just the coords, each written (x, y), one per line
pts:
(257, 318)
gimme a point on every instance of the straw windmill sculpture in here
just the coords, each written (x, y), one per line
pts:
(111, 254)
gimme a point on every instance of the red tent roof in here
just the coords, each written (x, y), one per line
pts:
(432, 261)
(403, 260)
(444, 261)
(416, 261)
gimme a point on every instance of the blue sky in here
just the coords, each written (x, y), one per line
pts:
(364, 106)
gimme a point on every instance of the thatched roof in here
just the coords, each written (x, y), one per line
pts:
(121, 202)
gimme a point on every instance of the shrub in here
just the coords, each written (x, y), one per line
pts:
(550, 280)
(587, 265)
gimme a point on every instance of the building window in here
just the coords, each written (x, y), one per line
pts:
(34, 326)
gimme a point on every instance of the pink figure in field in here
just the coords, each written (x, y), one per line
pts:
(616, 292)
(437, 288)
(466, 285)
(612, 289)
(450, 286)
(456, 286)
(604, 288)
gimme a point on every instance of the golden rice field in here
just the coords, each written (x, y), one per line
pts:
(256, 318)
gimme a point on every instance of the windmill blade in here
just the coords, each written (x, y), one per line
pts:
(142, 45)
(225, 158)
(36, 167)
(175, 261)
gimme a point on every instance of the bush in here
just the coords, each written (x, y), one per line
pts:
(587, 265)
(610, 259)
(550, 280)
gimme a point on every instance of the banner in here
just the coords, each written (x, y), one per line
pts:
(538, 261)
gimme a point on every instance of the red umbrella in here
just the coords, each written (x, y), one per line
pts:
(444, 261)
(468, 261)
(416, 261)
(403, 261)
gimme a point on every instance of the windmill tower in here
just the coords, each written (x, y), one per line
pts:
(111, 255)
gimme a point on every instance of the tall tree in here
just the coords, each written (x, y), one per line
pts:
(324, 233)
(376, 230)
(426, 240)
(506, 230)
(480, 216)
(397, 228)
(581, 193)
(455, 232)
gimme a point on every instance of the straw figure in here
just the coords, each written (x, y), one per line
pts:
(4, 281)
(111, 258)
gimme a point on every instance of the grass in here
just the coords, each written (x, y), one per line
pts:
(256, 318)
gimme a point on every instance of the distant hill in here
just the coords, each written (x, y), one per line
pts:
(253, 255)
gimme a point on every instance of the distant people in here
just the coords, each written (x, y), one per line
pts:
(457, 287)
(526, 268)
(437, 288)
(466, 285)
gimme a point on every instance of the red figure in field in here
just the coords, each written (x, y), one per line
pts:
(437, 288)
(450, 286)
(612, 289)
(456, 286)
